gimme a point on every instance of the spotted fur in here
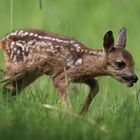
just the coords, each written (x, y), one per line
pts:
(24, 43)
(31, 53)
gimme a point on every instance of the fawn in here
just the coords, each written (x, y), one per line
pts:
(30, 53)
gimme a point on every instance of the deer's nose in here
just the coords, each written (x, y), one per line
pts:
(135, 78)
(132, 78)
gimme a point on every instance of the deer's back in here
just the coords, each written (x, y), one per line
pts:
(36, 48)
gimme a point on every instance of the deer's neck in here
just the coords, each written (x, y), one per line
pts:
(94, 63)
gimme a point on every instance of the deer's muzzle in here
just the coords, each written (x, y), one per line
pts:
(129, 80)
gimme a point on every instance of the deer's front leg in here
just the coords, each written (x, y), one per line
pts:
(61, 84)
(94, 87)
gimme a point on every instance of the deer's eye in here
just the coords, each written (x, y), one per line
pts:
(120, 64)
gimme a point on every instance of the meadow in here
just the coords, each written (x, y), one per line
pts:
(114, 113)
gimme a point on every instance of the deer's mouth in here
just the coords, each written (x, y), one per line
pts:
(129, 81)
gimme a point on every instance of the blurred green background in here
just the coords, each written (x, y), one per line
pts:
(86, 20)
(115, 111)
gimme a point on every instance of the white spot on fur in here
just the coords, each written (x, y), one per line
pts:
(51, 47)
(66, 42)
(12, 45)
(49, 38)
(72, 49)
(57, 46)
(70, 62)
(78, 50)
(101, 53)
(45, 37)
(31, 34)
(36, 35)
(40, 37)
(72, 41)
(26, 33)
(42, 43)
(20, 32)
(77, 45)
(78, 61)
(53, 39)
(27, 48)
(59, 40)
(20, 45)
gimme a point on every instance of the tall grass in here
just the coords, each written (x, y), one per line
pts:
(114, 113)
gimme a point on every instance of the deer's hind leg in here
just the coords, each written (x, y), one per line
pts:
(17, 82)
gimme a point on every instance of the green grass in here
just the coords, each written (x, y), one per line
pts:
(114, 113)
(115, 117)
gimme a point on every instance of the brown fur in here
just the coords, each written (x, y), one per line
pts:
(32, 53)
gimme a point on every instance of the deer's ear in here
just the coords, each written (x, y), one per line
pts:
(121, 42)
(108, 41)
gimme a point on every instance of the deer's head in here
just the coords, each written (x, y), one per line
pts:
(120, 64)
